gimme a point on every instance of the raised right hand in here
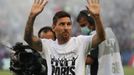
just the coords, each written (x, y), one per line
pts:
(38, 6)
(93, 7)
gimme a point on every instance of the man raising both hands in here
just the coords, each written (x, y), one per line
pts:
(66, 55)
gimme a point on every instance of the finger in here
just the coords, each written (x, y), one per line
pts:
(98, 1)
(44, 2)
(88, 9)
(35, 1)
(93, 1)
(88, 1)
(90, 12)
(38, 2)
(41, 1)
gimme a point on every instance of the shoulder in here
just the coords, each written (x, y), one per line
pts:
(49, 41)
(84, 36)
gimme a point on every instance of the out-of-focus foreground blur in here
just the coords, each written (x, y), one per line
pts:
(117, 14)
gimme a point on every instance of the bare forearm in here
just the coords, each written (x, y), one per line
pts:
(29, 37)
(29, 29)
(36, 9)
(99, 29)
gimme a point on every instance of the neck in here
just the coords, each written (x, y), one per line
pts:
(62, 40)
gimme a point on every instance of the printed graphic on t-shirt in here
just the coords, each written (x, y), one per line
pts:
(63, 66)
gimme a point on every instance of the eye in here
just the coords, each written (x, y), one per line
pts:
(83, 25)
(69, 23)
(62, 24)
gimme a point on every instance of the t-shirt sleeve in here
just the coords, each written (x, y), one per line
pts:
(44, 44)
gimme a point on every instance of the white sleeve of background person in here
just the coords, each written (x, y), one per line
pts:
(88, 70)
(109, 56)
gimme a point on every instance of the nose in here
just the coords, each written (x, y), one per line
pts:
(66, 26)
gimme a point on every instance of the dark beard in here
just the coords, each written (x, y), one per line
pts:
(63, 39)
(66, 39)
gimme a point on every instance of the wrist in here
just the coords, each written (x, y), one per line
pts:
(96, 16)
(32, 15)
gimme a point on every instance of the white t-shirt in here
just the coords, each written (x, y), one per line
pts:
(68, 58)
(109, 56)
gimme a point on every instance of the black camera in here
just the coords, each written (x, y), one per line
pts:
(27, 61)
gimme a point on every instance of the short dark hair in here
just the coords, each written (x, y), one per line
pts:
(44, 29)
(59, 15)
(85, 14)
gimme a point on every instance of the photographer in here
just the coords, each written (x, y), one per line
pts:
(24, 57)
(26, 61)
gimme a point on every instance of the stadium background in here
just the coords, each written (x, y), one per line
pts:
(117, 14)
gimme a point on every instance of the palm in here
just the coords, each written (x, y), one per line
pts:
(36, 9)
(93, 7)
(38, 6)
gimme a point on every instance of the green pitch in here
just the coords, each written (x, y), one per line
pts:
(128, 70)
(2, 72)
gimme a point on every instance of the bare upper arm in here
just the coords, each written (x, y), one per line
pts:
(95, 41)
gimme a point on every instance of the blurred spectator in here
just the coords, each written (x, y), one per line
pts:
(131, 61)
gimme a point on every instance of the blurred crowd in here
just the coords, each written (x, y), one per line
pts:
(117, 14)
